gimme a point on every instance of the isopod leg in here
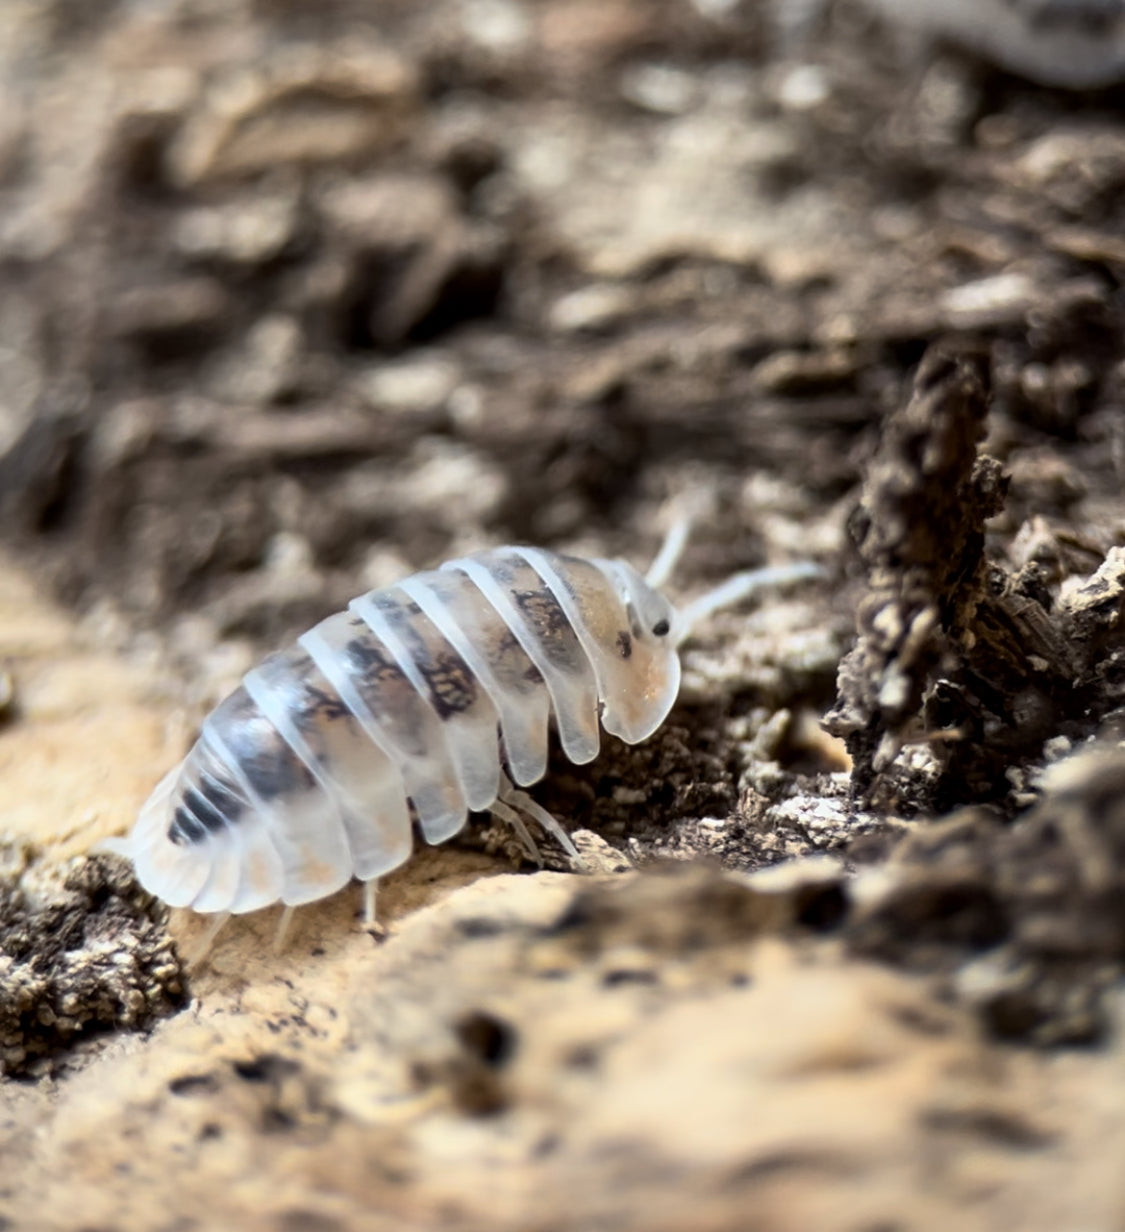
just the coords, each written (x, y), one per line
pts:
(523, 803)
(283, 922)
(371, 924)
(198, 959)
(369, 920)
(505, 813)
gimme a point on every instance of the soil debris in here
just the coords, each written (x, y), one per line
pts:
(82, 950)
(975, 662)
(1026, 922)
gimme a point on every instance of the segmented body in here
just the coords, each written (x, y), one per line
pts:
(411, 704)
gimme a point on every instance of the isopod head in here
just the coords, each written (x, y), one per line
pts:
(635, 705)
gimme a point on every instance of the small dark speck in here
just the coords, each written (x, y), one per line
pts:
(582, 1056)
(189, 1084)
(578, 914)
(266, 1068)
(488, 1038)
(547, 1145)
(299, 1220)
(7, 711)
(823, 910)
(612, 979)
(276, 1121)
(994, 1125)
(553, 973)
(479, 926)
(479, 1094)
(422, 1075)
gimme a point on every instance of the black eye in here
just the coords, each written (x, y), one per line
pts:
(660, 628)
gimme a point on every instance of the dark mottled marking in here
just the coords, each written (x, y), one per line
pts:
(394, 608)
(544, 612)
(453, 688)
(503, 644)
(272, 771)
(221, 797)
(504, 570)
(624, 645)
(204, 811)
(269, 765)
(565, 566)
(449, 680)
(374, 664)
(271, 775)
(551, 628)
(185, 828)
(316, 704)
(319, 706)
(388, 695)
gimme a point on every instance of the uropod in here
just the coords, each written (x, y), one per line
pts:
(420, 703)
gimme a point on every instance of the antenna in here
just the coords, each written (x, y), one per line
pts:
(670, 552)
(736, 588)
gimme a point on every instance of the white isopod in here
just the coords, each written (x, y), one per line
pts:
(432, 697)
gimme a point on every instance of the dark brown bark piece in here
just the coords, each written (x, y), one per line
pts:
(952, 651)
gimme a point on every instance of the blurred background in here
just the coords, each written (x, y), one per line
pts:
(300, 295)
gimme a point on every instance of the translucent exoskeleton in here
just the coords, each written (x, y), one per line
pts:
(420, 703)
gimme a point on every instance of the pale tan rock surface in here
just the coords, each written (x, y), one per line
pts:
(84, 732)
(494, 1066)
(638, 1051)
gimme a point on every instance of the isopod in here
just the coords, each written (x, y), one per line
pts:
(422, 701)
